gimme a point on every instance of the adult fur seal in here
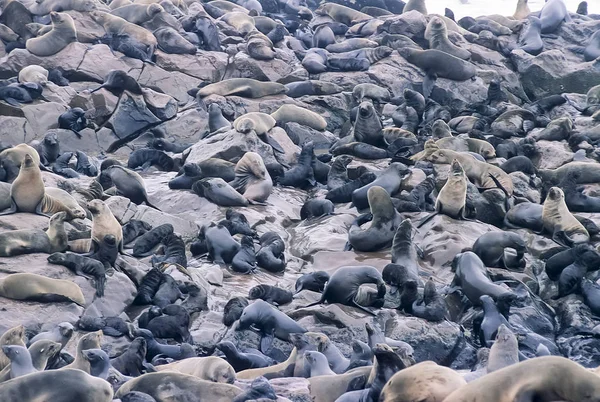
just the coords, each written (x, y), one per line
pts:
(344, 283)
(284, 369)
(390, 180)
(426, 382)
(437, 35)
(168, 386)
(242, 361)
(211, 368)
(553, 14)
(41, 289)
(271, 254)
(384, 222)
(550, 377)
(557, 219)
(63, 32)
(505, 350)
(220, 192)
(367, 127)
(305, 117)
(26, 241)
(244, 87)
(270, 321)
(57, 386)
(127, 182)
(12, 336)
(104, 223)
(252, 179)
(114, 25)
(343, 14)
(490, 248)
(89, 341)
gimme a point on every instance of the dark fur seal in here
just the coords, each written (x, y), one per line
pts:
(338, 174)
(106, 251)
(83, 266)
(575, 199)
(390, 180)
(271, 254)
(61, 166)
(84, 165)
(404, 268)
(172, 324)
(519, 164)
(384, 222)
(146, 157)
(270, 294)
(209, 33)
(74, 120)
(216, 121)
(128, 183)
(311, 87)
(174, 252)
(219, 192)
(552, 15)
(260, 389)
(99, 362)
(164, 145)
(433, 307)
(134, 229)
(145, 244)
(177, 352)
(315, 281)
(237, 223)
(492, 319)
(220, 245)
(343, 286)
(233, 310)
(472, 277)
(149, 286)
(344, 193)
(111, 326)
(316, 208)
(367, 127)
(490, 248)
(301, 175)
(531, 40)
(360, 150)
(118, 81)
(244, 260)
(168, 292)
(584, 253)
(270, 321)
(49, 148)
(242, 361)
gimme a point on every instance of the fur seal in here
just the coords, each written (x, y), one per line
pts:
(344, 192)
(146, 157)
(340, 13)
(134, 229)
(244, 87)
(128, 183)
(437, 35)
(12, 336)
(553, 14)
(34, 73)
(434, 307)
(63, 32)
(384, 222)
(522, 10)
(114, 25)
(316, 208)
(219, 192)
(145, 244)
(271, 254)
(302, 174)
(104, 223)
(216, 121)
(490, 248)
(505, 350)
(425, 381)
(345, 282)
(57, 385)
(328, 388)
(168, 385)
(26, 241)
(61, 334)
(367, 127)
(284, 369)
(221, 246)
(311, 87)
(242, 361)
(270, 322)
(547, 375)
(315, 281)
(390, 180)
(557, 219)
(317, 364)
(270, 294)
(252, 179)
(138, 13)
(12, 159)
(90, 340)
(118, 81)
(211, 368)
(39, 288)
(131, 361)
(293, 113)
(83, 266)
(233, 309)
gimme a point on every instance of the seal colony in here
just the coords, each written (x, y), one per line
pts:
(261, 200)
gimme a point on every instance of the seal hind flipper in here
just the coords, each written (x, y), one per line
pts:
(13, 208)
(274, 144)
(428, 83)
(266, 342)
(366, 310)
(427, 219)
(150, 205)
(12, 102)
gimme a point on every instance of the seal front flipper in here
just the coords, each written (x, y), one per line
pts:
(428, 83)
(12, 209)
(266, 342)
(274, 144)
(38, 209)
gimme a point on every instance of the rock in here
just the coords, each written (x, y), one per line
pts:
(182, 227)
(245, 66)
(526, 187)
(204, 65)
(296, 389)
(300, 135)
(552, 154)
(172, 83)
(122, 208)
(291, 150)
(411, 24)
(118, 295)
(187, 127)
(98, 105)
(328, 233)
(99, 60)
(162, 106)
(13, 129)
(131, 115)
(208, 329)
(41, 117)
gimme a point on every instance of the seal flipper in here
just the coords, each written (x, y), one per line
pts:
(12, 209)
(274, 144)
(38, 209)
(266, 342)
(150, 205)
(12, 102)
(427, 219)
(428, 83)
(366, 310)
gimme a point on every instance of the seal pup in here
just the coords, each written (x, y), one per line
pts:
(557, 219)
(384, 222)
(343, 286)
(83, 266)
(302, 174)
(242, 361)
(452, 198)
(132, 360)
(62, 33)
(117, 81)
(270, 322)
(271, 254)
(547, 375)
(233, 309)
(314, 281)
(434, 307)
(134, 229)
(146, 243)
(27, 241)
(271, 294)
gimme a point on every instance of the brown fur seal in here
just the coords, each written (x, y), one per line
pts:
(39, 288)
(557, 220)
(138, 13)
(259, 46)
(260, 123)
(210, 368)
(74, 209)
(242, 22)
(585, 172)
(505, 350)
(423, 382)
(114, 25)
(63, 32)
(104, 223)
(522, 10)
(43, 7)
(244, 87)
(343, 14)
(452, 198)
(90, 340)
(252, 179)
(27, 241)
(283, 369)
(12, 336)
(34, 73)
(416, 5)
(12, 159)
(305, 117)
(548, 378)
(437, 35)
(460, 144)
(56, 385)
(171, 386)
(327, 388)
(28, 194)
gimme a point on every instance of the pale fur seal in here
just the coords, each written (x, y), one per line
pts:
(63, 32)
(556, 218)
(505, 350)
(260, 123)
(12, 336)
(424, 382)
(244, 87)
(104, 223)
(522, 10)
(34, 73)
(43, 7)
(343, 14)
(40, 288)
(170, 386)
(546, 378)
(57, 386)
(27, 241)
(90, 340)
(437, 35)
(114, 25)
(138, 13)
(28, 193)
(460, 144)
(283, 369)
(211, 368)
(328, 388)
(252, 179)
(292, 113)
(12, 159)
(384, 222)
(416, 5)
